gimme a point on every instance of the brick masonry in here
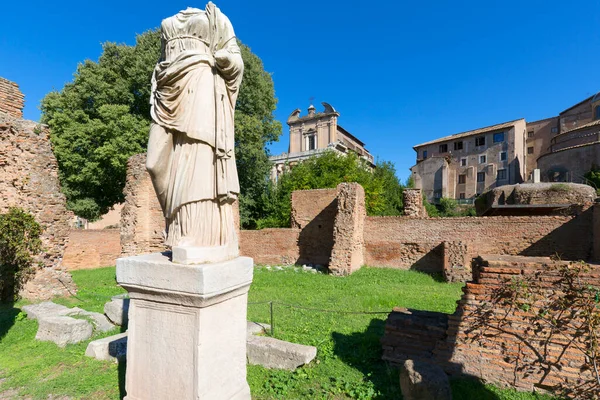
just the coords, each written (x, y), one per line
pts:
(347, 254)
(417, 243)
(496, 357)
(29, 180)
(413, 203)
(142, 221)
(313, 212)
(12, 100)
(92, 248)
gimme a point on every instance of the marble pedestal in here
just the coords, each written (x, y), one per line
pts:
(187, 328)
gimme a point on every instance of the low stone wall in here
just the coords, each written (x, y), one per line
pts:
(417, 243)
(92, 248)
(499, 354)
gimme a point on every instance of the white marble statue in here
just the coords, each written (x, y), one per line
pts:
(191, 146)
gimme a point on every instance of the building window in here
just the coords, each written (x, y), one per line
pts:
(597, 112)
(498, 137)
(480, 141)
(424, 154)
(312, 142)
(461, 196)
(503, 156)
(463, 162)
(482, 159)
(458, 145)
(529, 134)
(462, 179)
(443, 148)
(501, 174)
(554, 129)
(530, 150)
(481, 177)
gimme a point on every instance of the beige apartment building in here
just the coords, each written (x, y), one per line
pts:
(313, 134)
(466, 164)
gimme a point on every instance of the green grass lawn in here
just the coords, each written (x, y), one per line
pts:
(348, 363)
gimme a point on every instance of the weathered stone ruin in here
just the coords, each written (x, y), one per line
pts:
(11, 100)
(29, 180)
(536, 199)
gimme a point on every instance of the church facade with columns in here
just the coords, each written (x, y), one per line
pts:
(313, 134)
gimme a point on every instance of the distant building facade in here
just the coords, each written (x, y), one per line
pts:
(464, 165)
(313, 134)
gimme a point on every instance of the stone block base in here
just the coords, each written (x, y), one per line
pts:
(187, 328)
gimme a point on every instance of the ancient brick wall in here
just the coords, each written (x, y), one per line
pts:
(457, 261)
(347, 254)
(273, 246)
(508, 343)
(142, 221)
(313, 211)
(92, 248)
(417, 243)
(413, 203)
(29, 179)
(11, 100)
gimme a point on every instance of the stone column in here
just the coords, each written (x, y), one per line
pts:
(187, 328)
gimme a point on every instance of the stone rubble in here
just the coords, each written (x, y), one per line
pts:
(117, 310)
(63, 325)
(421, 380)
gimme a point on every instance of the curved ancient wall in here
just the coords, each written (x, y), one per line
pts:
(569, 165)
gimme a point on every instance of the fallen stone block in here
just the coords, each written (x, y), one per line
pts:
(101, 323)
(45, 309)
(63, 330)
(117, 310)
(420, 380)
(109, 348)
(274, 353)
(257, 328)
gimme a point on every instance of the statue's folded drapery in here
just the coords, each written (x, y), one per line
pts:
(190, 150)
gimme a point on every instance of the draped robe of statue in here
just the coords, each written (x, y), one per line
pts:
(191, 145)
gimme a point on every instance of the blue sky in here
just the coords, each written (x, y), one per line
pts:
(399, 73)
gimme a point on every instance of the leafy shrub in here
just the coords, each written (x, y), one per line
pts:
(19, 243)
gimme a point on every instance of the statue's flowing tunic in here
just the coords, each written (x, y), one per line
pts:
(190, 149)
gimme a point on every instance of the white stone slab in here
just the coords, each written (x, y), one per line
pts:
(156, 271)
(274, 353)
(109, 348)
(63, 330)
(190, 255)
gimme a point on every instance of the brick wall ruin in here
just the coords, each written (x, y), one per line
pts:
(413, 203)
(347, 254)
(441, 245)
(142, 221)
(313, 212)
(92, 248)
(497, 356)
(11, 100)
(417, 243)
(29, 180)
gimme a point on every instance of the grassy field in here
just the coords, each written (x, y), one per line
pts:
(348, 362)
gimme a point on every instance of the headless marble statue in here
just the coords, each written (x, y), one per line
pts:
(190, 149)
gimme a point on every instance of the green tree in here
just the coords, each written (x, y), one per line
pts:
(19, 243)
(593, 177)
(383, 191)
(102, 118)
